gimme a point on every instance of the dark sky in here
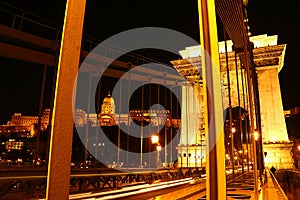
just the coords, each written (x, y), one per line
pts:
(106, 18)
(281, 19)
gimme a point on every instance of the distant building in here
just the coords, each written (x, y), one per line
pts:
(18, 120)
(291, 112)
(26, 124)
(79, 117)
(108, 117)
(156, 117)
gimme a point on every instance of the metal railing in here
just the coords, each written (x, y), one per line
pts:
(280, 191)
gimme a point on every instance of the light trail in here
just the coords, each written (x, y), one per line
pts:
(131, 190)
(144, 190)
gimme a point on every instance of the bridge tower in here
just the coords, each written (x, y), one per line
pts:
(269, 60)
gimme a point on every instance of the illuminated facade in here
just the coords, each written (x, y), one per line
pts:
(156, 117)
(269, 60)
(108, 117)
(291, 112)
(25, 124)
(18, 120)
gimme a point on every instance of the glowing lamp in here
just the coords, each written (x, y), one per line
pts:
(233, 130)
(154, 139)
(255, 134)
(158, 148)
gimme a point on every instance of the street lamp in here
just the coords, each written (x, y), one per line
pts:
(233, 130)
(256, 135)
(232, 148)
(158, 149)
(155, 140)
(298, 156)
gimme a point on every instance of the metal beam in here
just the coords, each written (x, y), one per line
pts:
(27, 39)
(58, 179)
(215, 162)
(28, 55)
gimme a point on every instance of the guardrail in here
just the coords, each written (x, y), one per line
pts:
(281, 193)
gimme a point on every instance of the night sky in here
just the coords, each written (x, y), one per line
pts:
(20, 82)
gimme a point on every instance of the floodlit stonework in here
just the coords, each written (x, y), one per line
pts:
(26, 125)
(269, 60)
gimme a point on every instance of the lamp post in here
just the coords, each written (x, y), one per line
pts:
(227, 158)
(158, 149)
(255, 137)
(241, 159)
(155, 140)
(235, 160)
(232, 149)
(298, 156)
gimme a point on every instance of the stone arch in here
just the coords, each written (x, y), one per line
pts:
(237, 86)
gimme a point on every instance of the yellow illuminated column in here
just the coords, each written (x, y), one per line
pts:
(274, 127)
(189, 114)
(58, 179)
(215, 161)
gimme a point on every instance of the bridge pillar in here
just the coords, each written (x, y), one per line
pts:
(276, 143)
(269, 59)
(192, 150)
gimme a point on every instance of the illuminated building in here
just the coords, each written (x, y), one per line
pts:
(79, 117)
(156, 117)
(25, 124)
(108, 117)
(291, 112)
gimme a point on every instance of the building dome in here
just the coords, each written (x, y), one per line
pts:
(106, 117)
(108, 106)
(109, 100)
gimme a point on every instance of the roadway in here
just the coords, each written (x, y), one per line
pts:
(149, 191)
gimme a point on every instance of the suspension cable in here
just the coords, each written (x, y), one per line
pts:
(230, 106)
(239, 110)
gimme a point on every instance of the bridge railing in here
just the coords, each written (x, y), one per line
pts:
(21, 20)
(281, 193)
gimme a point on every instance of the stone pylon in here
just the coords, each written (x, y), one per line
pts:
(269, 60)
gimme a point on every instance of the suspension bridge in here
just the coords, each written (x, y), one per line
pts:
(240, 78)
